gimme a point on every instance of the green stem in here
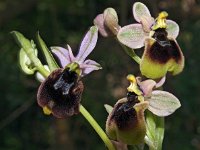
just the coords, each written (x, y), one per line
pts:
(37, 63)
(131, 53)
(43, 71)
(97, 128)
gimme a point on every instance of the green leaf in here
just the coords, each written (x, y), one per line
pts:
(160, 132)
(49, 57)
(163, 103)
(108, 108)
(151, 126)
(155, 131)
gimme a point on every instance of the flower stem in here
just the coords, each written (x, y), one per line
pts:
(131, 53)
(37, 63)
(97, 128)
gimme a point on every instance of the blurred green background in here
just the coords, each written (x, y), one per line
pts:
(22, 123)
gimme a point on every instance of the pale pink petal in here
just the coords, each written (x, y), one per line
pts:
(147, 23)
(172, 29)
(146, 86)
(140, 10)
(88, 43)
(62, 54)
(163, 103)
(71, 55)
(161, 82)
(132, 36)
(89, 66)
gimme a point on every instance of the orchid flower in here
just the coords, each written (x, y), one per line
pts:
(126, 121)
(162, 53)
(60, 94)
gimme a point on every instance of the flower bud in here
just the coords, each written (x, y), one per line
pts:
(111, 20)
(107, 23)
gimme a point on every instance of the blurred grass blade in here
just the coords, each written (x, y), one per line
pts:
(48, 56)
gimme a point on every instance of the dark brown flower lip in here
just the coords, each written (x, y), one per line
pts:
(60, 103)
(163, 49)
(124, 115)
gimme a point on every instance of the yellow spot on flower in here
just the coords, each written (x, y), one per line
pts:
(131, 78)
(46, 110)
(160, 21)
(133, 87)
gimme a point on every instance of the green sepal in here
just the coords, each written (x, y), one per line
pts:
(48, 56)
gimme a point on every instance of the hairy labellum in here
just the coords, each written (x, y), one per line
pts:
(126, 121)
(61, 93)
(164, 49)
(162, 54)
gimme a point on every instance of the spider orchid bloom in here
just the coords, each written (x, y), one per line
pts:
(162, 53)
(60, 94)
(126, 121)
